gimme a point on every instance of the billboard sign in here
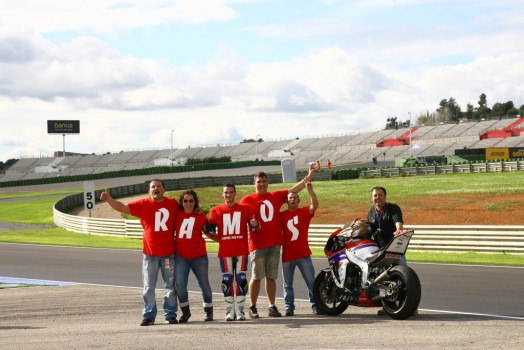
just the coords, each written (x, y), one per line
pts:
(63, 126)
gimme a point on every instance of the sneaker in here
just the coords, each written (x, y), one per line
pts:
(147, 322)
(230, 316)
(381, 312)
(253, 312)
(171, 320)
(272, 311)
(289, 312)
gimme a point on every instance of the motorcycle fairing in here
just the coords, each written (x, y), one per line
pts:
(391, 253)
(339, 263)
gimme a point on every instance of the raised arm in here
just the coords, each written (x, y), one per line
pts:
(117, 205)
(313, 197)
(299, 186)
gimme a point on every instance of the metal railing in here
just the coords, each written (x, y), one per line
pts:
(455, 238)
(502, 166)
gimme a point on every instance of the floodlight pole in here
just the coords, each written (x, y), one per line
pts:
(409, 134)
(256, 140)
(63, 145)
(172, 130)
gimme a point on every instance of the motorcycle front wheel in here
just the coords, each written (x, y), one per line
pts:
(330, 299)
(404, 293)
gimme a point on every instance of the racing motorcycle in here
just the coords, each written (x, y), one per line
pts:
(360, 273)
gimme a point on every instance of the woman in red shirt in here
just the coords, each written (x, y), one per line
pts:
(191, 254)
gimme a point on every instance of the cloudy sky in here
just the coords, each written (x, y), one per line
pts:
(137, 73)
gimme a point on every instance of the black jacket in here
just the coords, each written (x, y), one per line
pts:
(391, 214)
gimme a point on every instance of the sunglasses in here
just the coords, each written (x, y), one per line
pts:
(188, 200)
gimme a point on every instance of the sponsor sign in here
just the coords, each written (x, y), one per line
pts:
(63, 126)
(497, 153)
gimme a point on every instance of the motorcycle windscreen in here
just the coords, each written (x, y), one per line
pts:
(399, 244)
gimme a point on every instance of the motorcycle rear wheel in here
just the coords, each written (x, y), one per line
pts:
(404, 300)
(330, 299)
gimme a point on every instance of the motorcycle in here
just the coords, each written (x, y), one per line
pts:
(360, 273)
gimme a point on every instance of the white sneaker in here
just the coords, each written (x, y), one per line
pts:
(230, 316)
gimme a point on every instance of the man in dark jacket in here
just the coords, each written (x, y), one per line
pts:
(386, 216)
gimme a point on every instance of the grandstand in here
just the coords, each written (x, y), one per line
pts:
(358, 147)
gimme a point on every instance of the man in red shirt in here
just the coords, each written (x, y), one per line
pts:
(157, 216)
(228, 225)
(265, 242)
(296, 251)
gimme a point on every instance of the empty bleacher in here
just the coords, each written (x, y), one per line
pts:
(355, 147)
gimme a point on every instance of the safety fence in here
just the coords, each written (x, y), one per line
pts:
(454, 238)
(484, 167)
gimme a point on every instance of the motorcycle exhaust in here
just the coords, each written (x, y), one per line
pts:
(383, 276)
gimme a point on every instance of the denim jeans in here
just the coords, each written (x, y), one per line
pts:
(305, 265)
(199, 266)
(150, 267)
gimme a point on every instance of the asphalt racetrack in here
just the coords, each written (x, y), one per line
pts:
(91, 299)
(462, 307)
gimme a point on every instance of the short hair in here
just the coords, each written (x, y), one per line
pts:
(298, 197)
(190, 192)
(379, 188)
(158, 180)
(260, 174)
(230, 184)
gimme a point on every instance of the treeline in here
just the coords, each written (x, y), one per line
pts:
(449, 111)
(7, 164)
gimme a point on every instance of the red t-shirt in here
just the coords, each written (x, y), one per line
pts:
(232, 228)
(295, 225)
(267, 211)
(158, 221)
(189, 242)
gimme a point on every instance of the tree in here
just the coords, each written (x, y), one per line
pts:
(470, 110)
(428, 119)
(7, 164)
(482, 100)
(501, 109)
(449, 110)
(482, 112)
(392, 123)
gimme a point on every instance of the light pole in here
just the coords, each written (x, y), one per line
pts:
(172, 130)
(409, 134)
(256, 140)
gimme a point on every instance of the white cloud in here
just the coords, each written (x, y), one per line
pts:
(60, 61)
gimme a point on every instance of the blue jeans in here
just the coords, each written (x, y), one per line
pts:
(305, 265)
(199, 266)
(150, 267)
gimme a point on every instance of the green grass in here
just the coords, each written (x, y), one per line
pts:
(31, 210)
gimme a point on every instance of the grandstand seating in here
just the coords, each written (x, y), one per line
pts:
(359, 146)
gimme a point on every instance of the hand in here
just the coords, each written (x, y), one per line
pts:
(253, 222)
(105, 194)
